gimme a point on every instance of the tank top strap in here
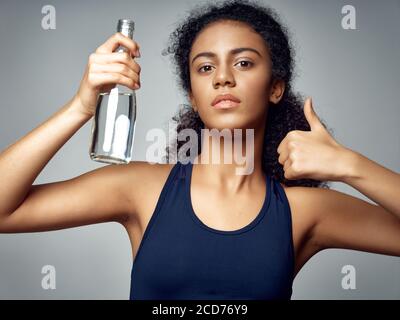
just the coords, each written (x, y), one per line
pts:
(173, 178)
(283, 211)
(174, 175)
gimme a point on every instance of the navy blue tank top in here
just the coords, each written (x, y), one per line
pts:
(182, 258)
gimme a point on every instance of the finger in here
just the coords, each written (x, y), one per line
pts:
(100, 79)
(311, 115)
(283, 157)
(115, 57)
(282, 146)
(116, 68)
(115, 41)
(286, 167)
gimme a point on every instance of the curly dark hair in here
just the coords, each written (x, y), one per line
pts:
(285, 116)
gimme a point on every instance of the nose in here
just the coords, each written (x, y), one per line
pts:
(223, 76)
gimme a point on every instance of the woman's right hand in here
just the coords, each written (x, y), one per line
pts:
(106, 68)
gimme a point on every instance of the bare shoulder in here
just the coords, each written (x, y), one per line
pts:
(302, 201)
(340, 220)
(143, 183)
(306, 204)
(323, 218)
(147, 173)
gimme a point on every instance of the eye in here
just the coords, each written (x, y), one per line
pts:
(202, 68)
(246, 63)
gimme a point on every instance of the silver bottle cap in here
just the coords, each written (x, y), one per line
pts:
(126, 27)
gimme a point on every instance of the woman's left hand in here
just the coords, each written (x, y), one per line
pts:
(313, 154)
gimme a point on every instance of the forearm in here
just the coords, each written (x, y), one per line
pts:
(22, 161)
(378, 183)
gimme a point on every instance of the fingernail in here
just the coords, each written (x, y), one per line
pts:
(137, 53)
(137, 86)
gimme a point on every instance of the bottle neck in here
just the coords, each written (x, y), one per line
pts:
(126, 31)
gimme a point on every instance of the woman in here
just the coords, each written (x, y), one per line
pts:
(200, 230)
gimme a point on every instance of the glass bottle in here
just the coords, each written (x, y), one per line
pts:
(113, 126)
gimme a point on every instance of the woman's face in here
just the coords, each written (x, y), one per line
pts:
(215, 69)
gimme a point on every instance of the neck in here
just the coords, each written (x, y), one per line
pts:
(230, 158)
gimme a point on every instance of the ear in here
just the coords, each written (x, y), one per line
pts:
(192, 101)
(277, 90)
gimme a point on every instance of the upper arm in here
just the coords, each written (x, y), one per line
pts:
(344, 221)
(101, 195)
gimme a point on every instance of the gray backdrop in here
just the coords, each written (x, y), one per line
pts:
(353, 76)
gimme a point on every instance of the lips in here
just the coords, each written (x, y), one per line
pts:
(226, 104)
(224, 101)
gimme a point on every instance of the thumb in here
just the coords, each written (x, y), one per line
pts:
(311, 116)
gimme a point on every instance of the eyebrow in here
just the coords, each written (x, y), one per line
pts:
(233, 52)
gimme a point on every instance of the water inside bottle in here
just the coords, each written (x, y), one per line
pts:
(113, 128)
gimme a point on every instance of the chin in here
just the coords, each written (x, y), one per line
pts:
(230, 125)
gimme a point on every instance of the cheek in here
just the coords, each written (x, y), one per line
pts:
(202, 90)
(256, 90)
(197, 85)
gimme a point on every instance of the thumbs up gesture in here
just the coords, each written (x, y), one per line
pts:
(312, 154)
